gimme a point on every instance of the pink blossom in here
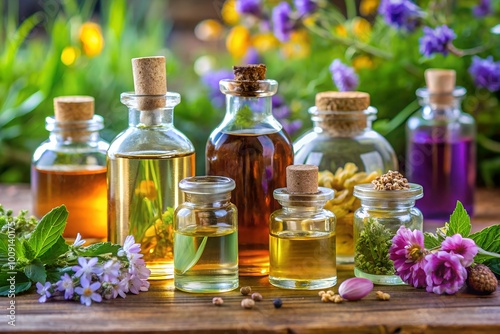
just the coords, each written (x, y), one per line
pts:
(463, 246)
(445, 272)
(66, 285)
(85, 269)
(129, 247)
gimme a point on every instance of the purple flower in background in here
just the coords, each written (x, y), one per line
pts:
(445, 273)
(400, 14)
(282, 112)
(211, 81)
(252, 57)
(436, 40)
(251, 7)
(408, 254)
(486, 73)
(483, 8)
(464, 247)
(344, 76)
(282, 22)
(305, 7)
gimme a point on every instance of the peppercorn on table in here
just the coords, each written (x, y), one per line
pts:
(165, 310)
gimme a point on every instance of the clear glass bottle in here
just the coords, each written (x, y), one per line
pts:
(375, 224)
(302, 241)
(347, 151)
(441, 152)
(145, 164)
(70, 168)
(251, 147)
(206, 236)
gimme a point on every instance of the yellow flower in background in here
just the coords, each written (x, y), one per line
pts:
(361, 28)
(208, 30)
(361, 62)
(229, 13)
(368, 7)
(69, 55)
(91, 39)
(238, 41)
(298, 46)
(264, 42)
(147, 189)
(340, 30)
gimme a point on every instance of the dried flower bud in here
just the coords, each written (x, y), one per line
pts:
(247, 303)
(337, 299)
(321, 293)
(245, 291)
(256, 296)
(330, 292)
(325, 298)
(382, 295)
(392, 180)
(217, 301)
(355, 288)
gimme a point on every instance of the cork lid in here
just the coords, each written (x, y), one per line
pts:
(150, 78)
(250, 72)
(302, 179)
(73, 108)
(342, 101)
(440, 81)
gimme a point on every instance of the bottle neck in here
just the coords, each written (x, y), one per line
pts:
(158, 118)
(441, 106)
(75, 132)
(151, 111)
(209, 200)
(342, 123)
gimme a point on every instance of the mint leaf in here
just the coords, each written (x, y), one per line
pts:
(22, 283)
(26, 249)
(35, 271)
(494, 265)
(100, 248)
(190, 254)
(48, 230)
(53, 253)
(459, 222)
(431, 240)
(488, 238)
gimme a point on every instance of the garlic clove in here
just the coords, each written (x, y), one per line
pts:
(355, 288)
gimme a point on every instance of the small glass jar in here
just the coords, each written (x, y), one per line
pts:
(302, 241)
(375, 224)
(347, 151)
(70, 168)
(206, 236)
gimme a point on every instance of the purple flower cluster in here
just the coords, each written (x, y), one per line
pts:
(250, 7)
(305, 7)
(436, 40)
(482, 9)
(344, 76)
(92, 280)
(440, 271)
(211, 81)
(400, 14)
(486, 73)
(283, 23)
(282, 112)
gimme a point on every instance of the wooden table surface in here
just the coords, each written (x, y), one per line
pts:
(165, 310)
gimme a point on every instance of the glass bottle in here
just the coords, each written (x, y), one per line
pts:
(70, 168)
(347, 151)
(145, 164)
(376, 223)
(441, 148)
(206, 236)
(251, 147)
(302, 238)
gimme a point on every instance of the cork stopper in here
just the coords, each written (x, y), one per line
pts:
(440, 84)
(73, 108)
(246, 79)
(150, 78)
(302, 179)
(342, 101)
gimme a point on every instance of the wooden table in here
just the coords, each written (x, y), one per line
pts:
(164, 310)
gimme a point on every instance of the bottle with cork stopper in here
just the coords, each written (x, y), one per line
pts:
(145, 164)
(441, 147)
(302, 234)
(70, 168)
(347, 151)
(251, 147)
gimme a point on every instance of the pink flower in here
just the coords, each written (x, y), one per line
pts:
(85, 269)
(129, 247)
(408, 254)
(87, 291)
(110, 271)
(462, 246)
(445, 272)
(66, 285)
(43, 290)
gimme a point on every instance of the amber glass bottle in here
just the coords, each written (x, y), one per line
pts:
(251, 147)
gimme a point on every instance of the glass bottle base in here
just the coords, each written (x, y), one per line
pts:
(286, 283)
(205, 284)
(379, 279)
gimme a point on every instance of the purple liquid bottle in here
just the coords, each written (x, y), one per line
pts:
(441, 148)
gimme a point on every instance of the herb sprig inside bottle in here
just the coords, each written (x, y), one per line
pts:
(386, 204)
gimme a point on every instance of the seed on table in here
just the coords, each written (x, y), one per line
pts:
(245, 291)
(277, 302)
(256, 296)
(217, 301)
(247, 303)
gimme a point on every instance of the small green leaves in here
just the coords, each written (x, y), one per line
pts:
(48, 230)
(53, 253)
(13, 284)
(190, 254)
(35, 271)
(99, 249)
(459, 222)
(431, 240)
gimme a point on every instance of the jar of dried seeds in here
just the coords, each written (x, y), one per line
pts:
(386, 204)
(347, 151)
